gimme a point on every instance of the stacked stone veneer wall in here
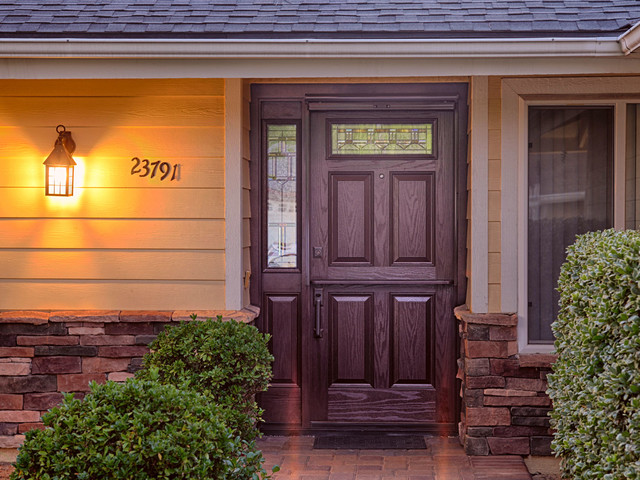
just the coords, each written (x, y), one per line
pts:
(504, 400)
(43, 354)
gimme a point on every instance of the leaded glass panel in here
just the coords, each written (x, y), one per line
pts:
(282, 212)
(382, 139)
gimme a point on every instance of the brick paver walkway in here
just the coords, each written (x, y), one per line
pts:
(443, 459)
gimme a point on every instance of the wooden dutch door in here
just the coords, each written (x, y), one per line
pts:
(356, 201)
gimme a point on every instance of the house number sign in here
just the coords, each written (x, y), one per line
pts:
(145, 168)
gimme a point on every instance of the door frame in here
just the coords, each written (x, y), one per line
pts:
(291, 103)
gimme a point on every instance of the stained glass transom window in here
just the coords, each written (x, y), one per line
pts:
(282, 216)
(382, 139)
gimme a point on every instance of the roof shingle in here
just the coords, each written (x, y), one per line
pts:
(315, 18)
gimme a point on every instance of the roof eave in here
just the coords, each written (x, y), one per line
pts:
(318, 48)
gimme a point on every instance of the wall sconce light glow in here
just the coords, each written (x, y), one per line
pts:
(59, 165)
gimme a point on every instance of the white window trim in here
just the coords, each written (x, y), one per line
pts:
(517, 95)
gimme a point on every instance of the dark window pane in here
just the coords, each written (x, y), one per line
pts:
(570, 177)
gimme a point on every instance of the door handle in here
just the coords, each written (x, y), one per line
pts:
(317, 301)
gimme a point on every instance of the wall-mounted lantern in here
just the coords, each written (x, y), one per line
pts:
(59, 165)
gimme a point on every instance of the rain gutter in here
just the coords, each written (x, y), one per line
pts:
(317, 48)
(630, 40)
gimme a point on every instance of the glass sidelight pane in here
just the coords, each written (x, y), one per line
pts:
(382, 139)
(570, 193)
(282, 211)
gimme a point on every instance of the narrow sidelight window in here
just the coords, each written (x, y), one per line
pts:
(282, 192)
(570, 193)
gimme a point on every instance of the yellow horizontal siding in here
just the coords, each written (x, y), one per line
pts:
(106, 295)
(122, 241)
(112, 264)
(112, 87)
(114, 203)
(132, 234)
(113, 111)
(149, 141)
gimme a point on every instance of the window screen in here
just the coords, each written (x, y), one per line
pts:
(569, 190)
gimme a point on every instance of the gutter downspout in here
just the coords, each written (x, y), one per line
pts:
(630, 40)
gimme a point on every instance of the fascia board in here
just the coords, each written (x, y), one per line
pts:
(310, 48)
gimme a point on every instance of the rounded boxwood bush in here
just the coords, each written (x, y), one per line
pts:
(595, 385)
(138, 430)
(228, 361)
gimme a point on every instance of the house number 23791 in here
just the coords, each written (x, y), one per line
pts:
(145, 168)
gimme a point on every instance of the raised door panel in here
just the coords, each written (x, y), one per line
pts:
(350, 218)
(351, 327)
(382, 405)
(282, 402)
(404, 394)
(412, 344)
(412, 197)
(282, 325)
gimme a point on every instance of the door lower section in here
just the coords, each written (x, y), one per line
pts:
(377, 361)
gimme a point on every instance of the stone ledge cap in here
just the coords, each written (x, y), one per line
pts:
(85, 316)
(25, 316)
(463, 314)
(151, 316)
(246, 315)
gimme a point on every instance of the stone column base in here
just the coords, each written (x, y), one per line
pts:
(504, 401)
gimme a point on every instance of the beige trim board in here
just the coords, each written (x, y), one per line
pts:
(479, 194)
(233, 193)
(510, 171)
(619, 164)
(167, 68)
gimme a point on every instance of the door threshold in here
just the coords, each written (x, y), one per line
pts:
(431, 429)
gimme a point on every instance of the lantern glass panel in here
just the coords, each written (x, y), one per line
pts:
(60, 181)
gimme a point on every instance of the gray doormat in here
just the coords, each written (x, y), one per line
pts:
(369, 442)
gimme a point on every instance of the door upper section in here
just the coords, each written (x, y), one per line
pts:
(382, 195)
(363, 182)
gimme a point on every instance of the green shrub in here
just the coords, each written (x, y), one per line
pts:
(139, 430)
(595, 385)
(228, 361)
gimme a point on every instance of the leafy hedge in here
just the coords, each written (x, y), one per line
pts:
(595, 385)
(139, 430)
(228, 361)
